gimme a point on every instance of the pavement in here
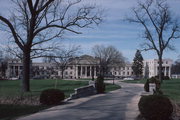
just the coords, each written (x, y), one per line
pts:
(121, 104)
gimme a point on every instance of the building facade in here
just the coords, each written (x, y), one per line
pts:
(83, 67)
(153, 66)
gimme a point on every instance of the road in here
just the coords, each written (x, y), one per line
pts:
(117, 105)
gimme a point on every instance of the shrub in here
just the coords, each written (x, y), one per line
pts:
(146, 86)
(100, 86)
(51, 97)
(152, 80)
(166, 78)
(155, 107)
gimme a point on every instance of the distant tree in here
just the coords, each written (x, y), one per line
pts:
(146, 71)
(3, 63)
(3, 68)
(64, 56)
(107, 57)
(176, 67)
(49, 58)
(138, 64)
(35, 23)
(160, 27)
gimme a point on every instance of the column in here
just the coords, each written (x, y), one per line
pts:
(81, 72)
(169, 71)
(85, 71)
(90, 68)
(76, 71)
(14, 71)
(165, 71)
(94, 71)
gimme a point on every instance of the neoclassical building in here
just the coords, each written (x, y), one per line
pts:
(83, 67)
(153, 67)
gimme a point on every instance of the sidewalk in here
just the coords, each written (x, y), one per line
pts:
(117, 105)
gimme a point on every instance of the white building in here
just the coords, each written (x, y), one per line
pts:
(122, 71)
(83, 67)
(153, 66)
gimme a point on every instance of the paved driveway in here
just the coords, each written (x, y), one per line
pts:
(117, 105)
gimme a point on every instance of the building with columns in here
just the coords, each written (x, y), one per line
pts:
(153, 67)
(83, 67)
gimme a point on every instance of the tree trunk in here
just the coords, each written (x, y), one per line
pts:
(62, 73)
(158, 83)
(26, 71)
(160, 68)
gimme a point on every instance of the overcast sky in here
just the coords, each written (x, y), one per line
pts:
(114, 30)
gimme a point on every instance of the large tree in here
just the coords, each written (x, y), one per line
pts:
(160, 27)
(138, 64)
(34, 23)
(107, 57)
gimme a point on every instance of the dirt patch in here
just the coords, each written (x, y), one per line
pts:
(28, 100)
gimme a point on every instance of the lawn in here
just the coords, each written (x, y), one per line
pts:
(171, 88)
(111, 87)
(12, 89)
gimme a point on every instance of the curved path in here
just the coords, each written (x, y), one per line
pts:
(117, 105)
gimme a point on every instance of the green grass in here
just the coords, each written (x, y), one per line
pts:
(171, 88)
(13, 88)
(111, 87)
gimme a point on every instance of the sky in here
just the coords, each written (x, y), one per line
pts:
(114, 30)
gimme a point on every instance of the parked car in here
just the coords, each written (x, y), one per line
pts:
(128, 78)
(14, 78)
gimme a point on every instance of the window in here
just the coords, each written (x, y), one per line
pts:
(83, 70)
(79, 70)
(66, 73)
(21, 67)
(88, 71)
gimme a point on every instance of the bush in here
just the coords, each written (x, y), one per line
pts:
(152, 80)
(100, 86)
(51, 97)
(166, 78)
(146, 86)
(155, 107)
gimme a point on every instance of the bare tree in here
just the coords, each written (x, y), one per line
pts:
(107, 57)
(160, 27)
(3, 63)
(176, 67)
(63, 57)
(34, 23)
